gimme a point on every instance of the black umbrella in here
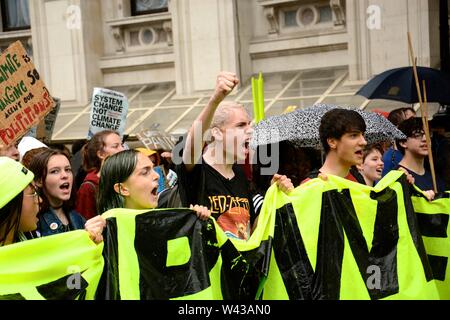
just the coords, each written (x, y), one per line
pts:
(302, 127)
(399, 84)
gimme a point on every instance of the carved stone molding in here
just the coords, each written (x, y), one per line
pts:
(338, 12)
(271, 14)
(117, 33)
(167, 27)
(308, 15)
(144, 32)
(7, 38)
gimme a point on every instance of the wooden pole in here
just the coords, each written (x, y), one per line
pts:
(425, 104)
(425, 125)
(427, 130)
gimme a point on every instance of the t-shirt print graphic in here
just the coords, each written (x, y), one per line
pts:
(235, 223)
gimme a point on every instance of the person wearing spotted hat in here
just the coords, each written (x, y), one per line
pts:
(19, 202)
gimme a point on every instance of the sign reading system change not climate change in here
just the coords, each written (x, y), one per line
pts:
(109, 111)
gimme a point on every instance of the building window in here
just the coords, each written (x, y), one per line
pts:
(325, 14)
(15, 14)
(290, 18)
(139, 7)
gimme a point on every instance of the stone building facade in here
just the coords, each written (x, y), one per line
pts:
(165, 54)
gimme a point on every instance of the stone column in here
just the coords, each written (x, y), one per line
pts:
(205, 40)
(67, 44)
(375, 47)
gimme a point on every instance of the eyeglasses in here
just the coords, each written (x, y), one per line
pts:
(35, 194)
(418, 135)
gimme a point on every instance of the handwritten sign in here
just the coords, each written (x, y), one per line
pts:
(109, 111)
(45, 128)
(24, 98)
(156, 140)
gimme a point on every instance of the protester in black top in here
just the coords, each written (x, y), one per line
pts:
(229, 200)
(415, 151)
(215, 179)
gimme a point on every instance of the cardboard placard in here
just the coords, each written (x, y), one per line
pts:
(156, 140)
(24, 98)
(45, 128)
(108, 112)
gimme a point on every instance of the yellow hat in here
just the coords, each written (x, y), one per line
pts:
(147, 152)
(14, 178)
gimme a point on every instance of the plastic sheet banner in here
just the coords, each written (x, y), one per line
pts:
(62, 267)
(109, 112)
(337, 239)
(168, 255)
(24, 98)
(326, 240)
(433, 219)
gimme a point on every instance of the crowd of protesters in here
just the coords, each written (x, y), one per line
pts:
(39, 195)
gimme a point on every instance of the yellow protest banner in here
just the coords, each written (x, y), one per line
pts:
(24, 98)
(67, 266)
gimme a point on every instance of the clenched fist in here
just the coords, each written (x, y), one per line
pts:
(226, 82)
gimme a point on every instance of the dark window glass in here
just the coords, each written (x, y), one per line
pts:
(325, 14)
(290, 18)
(15, 14)
(148, 6)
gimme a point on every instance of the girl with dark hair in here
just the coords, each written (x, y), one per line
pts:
(19, 202)
(129, 181)
(101, 146)
(54, 179)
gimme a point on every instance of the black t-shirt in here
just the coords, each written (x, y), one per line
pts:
(228, 199)
(425, 181)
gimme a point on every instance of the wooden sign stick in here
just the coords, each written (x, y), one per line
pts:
(427, 134)
(419, 95)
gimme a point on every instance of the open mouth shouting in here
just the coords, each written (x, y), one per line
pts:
(66, 188)
(154, 194)
(155, 191)
(246, 147)
(359, 153)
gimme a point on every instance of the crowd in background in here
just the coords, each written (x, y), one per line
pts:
(49, 189)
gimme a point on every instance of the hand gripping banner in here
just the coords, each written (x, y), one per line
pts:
(433, 218)
(337, 239)
(171, 254)
(330, 239)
